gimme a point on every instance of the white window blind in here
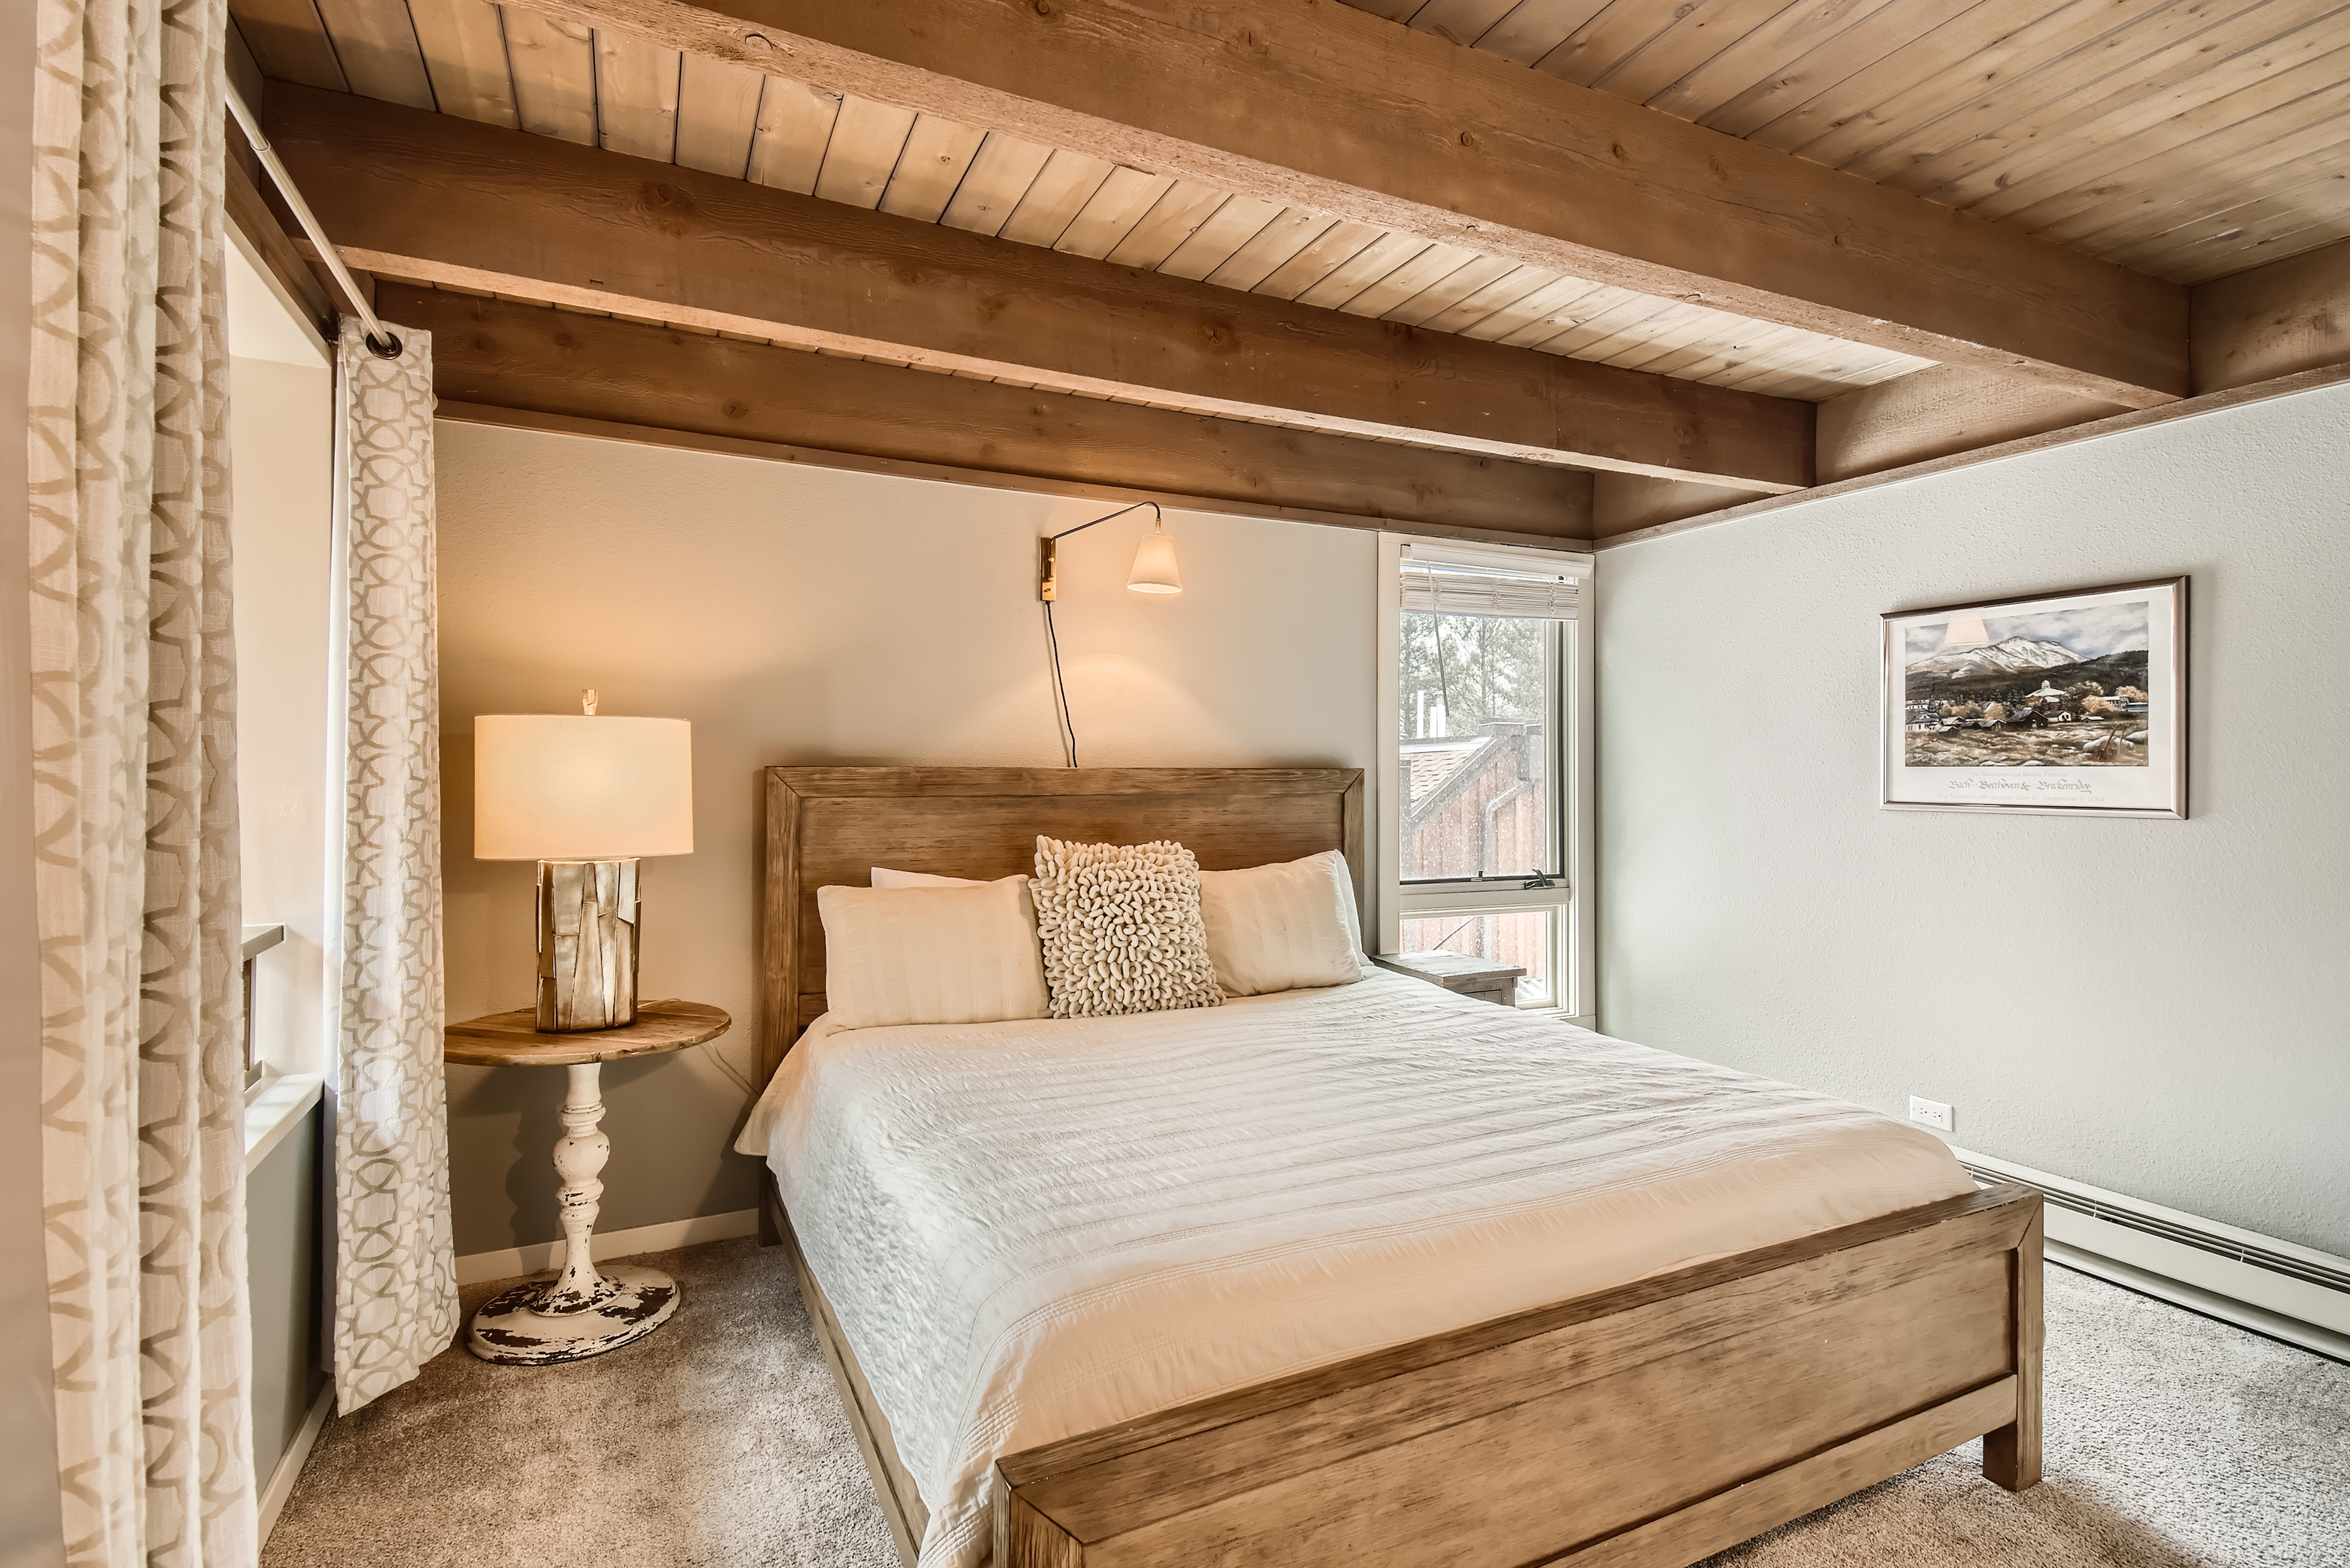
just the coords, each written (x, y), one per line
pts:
(1446, 588)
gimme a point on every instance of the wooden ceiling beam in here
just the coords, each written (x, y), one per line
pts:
(1329, 108)
(495, 361)
(441, 200)
(2134, 419)
(1939, 413)
(1628, 502)
(2280, 319)
(249, 213)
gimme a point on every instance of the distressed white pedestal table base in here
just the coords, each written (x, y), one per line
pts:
(585, 1310)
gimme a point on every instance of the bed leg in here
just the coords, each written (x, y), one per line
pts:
(2011, 1454)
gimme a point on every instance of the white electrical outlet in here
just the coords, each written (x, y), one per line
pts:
(1931, 1113)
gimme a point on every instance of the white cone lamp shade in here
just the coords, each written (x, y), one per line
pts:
(587, 797)
(566, 787)
(1154, 567)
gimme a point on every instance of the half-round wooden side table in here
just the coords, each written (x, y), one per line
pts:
(585, 1311)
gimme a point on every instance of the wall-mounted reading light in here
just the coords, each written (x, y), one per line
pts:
(1154, 572)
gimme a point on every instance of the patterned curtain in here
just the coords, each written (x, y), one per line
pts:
(395, 1267)
(135, 790)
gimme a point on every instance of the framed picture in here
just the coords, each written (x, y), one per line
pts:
(2069, 705)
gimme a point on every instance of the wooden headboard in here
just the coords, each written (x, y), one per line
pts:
(830, 827)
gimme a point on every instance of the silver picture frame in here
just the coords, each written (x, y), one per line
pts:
(2103, 733)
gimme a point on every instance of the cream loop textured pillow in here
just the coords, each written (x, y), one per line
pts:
(1121, 929)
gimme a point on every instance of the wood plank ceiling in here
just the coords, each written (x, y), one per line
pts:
(510, 66)
(2185, 139)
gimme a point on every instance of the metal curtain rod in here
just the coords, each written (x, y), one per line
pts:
(380, 342)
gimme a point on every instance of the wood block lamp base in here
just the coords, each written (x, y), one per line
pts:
(586, 945)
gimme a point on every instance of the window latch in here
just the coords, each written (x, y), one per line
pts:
(1537, 880)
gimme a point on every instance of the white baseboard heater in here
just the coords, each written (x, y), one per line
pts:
(2292, 1292)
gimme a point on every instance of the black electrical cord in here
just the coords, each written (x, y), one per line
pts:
(1064, 729)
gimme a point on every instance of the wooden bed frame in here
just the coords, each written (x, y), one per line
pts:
(1643, 1427)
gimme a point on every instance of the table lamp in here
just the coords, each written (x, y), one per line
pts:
(585, 797)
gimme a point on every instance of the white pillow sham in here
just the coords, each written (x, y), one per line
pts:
(962, 954)
(1285, 927)
(885, 878)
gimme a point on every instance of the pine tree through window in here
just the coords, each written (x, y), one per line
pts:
(1475, 736)
(1476, 816)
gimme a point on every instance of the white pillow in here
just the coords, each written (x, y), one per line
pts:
(931, 955)
(885, 878)
(1285, 927)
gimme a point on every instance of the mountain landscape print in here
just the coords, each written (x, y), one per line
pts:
(2047, 689)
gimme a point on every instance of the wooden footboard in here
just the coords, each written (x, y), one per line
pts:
(1646, 1427)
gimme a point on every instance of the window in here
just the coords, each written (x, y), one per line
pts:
(1481, 799)
(281, 525)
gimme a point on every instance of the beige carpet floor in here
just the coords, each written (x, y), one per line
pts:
(2172, 1442)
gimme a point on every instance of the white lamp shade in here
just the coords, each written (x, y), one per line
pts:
(1154, 567)
(566, 786)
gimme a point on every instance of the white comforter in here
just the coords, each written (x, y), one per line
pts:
(1031, 1230)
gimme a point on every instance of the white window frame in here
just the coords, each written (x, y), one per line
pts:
(1575, 947)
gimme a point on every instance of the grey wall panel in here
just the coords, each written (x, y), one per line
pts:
(2156, 1007)
(281, 1215)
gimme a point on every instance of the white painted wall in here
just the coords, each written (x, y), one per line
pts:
(799, 615)
(281, 433)
(2161, 1008)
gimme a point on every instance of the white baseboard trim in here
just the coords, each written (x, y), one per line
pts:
(541, 1256)
(2210, 1304)
(2269, 1285)
(290, 1462)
